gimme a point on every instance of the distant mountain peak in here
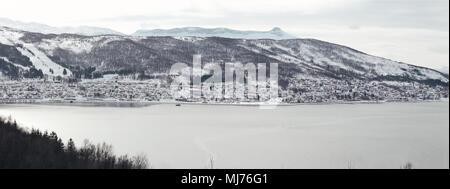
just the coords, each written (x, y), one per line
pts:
(276, 33)
(45, 29)
(276, 29)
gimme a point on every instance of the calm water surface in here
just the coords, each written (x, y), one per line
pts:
(304, 136)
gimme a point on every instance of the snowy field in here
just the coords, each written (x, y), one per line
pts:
(304, 136)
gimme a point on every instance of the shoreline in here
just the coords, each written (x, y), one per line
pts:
(138, 104)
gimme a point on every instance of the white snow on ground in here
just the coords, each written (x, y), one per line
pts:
(381, 66)
(281, 57)
(106, 39)
(310, 52)
(75, 44)
(285, 58)
(111, 76)
(396, 83)
(307, 53)
(250, 49)
(270, 45)
(388, 67)
(189, 39)
(37, 57)
(432, 75)
(267, 45)
(41, 61)
(289, 50)
(306, 76)
(354, 57)
(9, 36)
(313, 56)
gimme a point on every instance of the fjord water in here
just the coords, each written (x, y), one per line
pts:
(303, 136)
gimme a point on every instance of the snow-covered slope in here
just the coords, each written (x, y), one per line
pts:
(42, 28)
(38, 58)
(331, 57)
(275, 33)
(81, 55)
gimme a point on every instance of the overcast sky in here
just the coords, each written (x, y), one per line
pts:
(412, 31)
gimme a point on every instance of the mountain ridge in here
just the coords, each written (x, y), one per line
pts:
(275, 33)
(46, 29)
(65, 51)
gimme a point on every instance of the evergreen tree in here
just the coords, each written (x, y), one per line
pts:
(71, 146)
(20, 148)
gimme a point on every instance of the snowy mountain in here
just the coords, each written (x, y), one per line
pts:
(25, 54)
(42, 28)
(275, 33)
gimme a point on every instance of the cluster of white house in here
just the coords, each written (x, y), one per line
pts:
(298, 90)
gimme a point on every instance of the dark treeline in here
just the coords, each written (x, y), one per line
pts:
(20, 148)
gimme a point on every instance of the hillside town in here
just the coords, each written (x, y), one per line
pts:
(299, 90)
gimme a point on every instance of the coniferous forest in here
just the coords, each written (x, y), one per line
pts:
(33, 149)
